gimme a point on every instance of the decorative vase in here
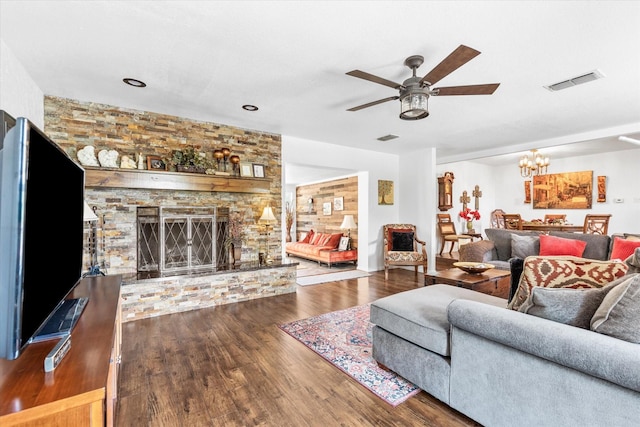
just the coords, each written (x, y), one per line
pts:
(237, 252)
(470, 226)
(288, 236)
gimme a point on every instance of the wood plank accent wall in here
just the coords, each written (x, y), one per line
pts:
(325, 192)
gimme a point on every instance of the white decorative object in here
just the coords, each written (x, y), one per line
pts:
(108, 158)
(87, 156)
(140, 161)
(127, 163)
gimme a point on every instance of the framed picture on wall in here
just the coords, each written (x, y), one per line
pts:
(326, 208)
(338, 203)
(258, 170)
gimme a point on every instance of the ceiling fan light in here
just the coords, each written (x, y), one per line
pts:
(414, 106)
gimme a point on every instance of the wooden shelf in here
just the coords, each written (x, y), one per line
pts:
(159, 180)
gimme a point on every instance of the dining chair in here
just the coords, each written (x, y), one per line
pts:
(596, 224)
(448, 233)
(497, 221)
(512, 221)
(548, 218)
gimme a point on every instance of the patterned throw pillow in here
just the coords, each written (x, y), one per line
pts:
(564, 272)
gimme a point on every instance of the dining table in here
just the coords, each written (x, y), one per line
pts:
(540, 226)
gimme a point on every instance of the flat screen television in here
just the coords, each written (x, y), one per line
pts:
(41, 238)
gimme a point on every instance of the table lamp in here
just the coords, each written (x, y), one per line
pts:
(348, 223)
(267, 219)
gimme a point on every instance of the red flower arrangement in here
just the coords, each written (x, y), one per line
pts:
(469, 215)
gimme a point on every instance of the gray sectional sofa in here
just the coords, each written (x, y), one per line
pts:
(502, 367)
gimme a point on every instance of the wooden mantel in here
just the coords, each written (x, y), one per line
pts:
(159, 180)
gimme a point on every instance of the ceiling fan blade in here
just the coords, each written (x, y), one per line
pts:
(455, 60)
(486, 89)
(371, 104)
(375, 79)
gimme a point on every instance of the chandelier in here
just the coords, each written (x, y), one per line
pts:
(536, 165)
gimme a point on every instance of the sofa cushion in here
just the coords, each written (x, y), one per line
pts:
(552, 245)
(480, 251)
(623, 248)
(307, 237)
(334, 240)
(402, 241)
(564, 272)
(420, 315)
(315, 239)
(570, 306)
(619, 314)
(633, 262)
(597, 244)
(524, 246)
(501, 238)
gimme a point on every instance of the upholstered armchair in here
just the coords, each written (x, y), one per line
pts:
(402, 247)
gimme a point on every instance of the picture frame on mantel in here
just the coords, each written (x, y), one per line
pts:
(258, 170)
(155, 163)
(246, 170)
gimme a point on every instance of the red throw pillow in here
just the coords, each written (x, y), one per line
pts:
(623, 248)
(551, 245)
(390, 232)
(334, 240)
(308, 237)
(325, 239)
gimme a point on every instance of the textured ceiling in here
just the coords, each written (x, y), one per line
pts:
(205, 59)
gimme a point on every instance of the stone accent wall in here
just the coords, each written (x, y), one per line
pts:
(155, 297)
(73, 125)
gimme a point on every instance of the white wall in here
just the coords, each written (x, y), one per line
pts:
(503, 188)
(19, 95)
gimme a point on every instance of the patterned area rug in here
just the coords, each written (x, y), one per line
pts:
(344, 339)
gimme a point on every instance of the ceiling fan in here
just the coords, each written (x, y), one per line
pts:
(415, 91)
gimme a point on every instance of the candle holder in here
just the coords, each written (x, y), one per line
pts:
(235, 162)
(218, 155)
(225, 154)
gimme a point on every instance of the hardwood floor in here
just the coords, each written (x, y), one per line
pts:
(232, 366)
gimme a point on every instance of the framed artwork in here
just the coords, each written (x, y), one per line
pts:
(156, 163)
(326, 208)
(246, 169)
(338, 203)
(569, 190)
(527, 191)
(344, 244)
(258, 170)
(602, 189)
(385, 192)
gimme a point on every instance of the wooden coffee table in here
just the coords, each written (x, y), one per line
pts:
(493, 282)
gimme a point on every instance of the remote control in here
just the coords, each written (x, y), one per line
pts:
(56, 355)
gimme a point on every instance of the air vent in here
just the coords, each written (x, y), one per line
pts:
(387, 137)
(585, 78)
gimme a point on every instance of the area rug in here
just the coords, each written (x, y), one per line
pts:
(313, 268)
(343, 338)
(331, 277)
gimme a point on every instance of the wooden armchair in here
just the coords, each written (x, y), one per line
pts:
(402, 247)
(512, 221)
(596, 224)
(497, 221)
(447, 230)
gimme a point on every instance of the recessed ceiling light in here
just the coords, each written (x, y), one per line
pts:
(249, 107)
(134, 82)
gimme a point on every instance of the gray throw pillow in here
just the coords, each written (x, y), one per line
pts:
(570, 306)
(619, 314)
(633, 262)
(524, 246)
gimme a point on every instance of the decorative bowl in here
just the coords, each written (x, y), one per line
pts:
(473, 267)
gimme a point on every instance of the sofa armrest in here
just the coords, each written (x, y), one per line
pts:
(480, 251)
(589, 352)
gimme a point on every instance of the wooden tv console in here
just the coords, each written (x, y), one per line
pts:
(82, 390)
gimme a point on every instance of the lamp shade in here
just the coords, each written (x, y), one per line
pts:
(88, 215)
(267, 216)
(348, 223)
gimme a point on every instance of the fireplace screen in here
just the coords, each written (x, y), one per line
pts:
(180, 240)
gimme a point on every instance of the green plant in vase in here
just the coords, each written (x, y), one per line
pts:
(190, 160)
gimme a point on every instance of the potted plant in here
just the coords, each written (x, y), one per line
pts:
(469, 215)
(235, 235)
(192, 161)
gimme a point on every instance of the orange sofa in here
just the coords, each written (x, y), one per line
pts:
(321, 247)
